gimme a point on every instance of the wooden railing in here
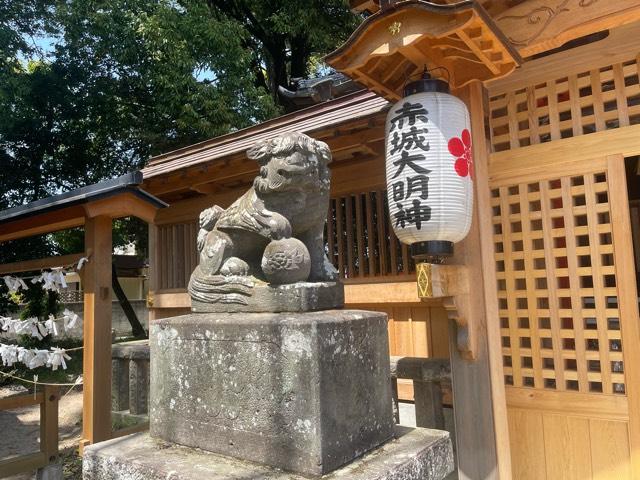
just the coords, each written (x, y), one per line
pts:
(48, 454)
(428, 376)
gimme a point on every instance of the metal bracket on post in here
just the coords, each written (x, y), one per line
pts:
(451, 283)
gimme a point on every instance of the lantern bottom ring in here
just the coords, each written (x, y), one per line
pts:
(432, 251)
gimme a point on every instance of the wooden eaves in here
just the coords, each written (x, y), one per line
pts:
(352, 125)
(119, 197)
(399, 41)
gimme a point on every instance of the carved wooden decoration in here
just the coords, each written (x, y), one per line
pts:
(397, 42)
(536, 26)
(539, 25)
(451, 284)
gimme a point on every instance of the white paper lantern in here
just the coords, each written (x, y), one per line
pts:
(429, 166)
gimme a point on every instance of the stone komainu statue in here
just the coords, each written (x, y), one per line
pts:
(271, 237)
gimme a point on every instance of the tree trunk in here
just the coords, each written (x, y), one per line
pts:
(136, 327)
(300, 53)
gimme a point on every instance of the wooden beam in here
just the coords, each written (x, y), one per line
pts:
(479, 117)
(481, 54)
(551, 157)
(25, 463)
(208, 188)
(49, 423)
(373, 84)
(622, 44)
(356, 177)
(627, 297)
(362, 5)
(40, 263)
(21, 401)
(122, 205)
(365, 291)
(609, 407)
(189, 210)
(43, 223)
(392, 292)
(218, 170)
(536, 26)
(96, 413)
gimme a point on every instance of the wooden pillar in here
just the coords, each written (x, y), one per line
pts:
(627, 298)
(154, 269)
(482, 434)
(49, 423)
(96, 415)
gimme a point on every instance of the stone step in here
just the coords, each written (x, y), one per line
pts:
(415, 454)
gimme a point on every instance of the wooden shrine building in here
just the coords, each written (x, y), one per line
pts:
(549, 387)
(540, 320)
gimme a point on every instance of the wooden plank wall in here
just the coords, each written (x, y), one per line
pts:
(415, 330)
(176, 244)
(563, 248)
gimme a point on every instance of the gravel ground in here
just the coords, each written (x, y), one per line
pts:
(21, 427)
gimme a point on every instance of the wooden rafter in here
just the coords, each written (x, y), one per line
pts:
(417, 30)
(222, 174)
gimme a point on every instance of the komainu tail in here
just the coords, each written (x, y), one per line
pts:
(208, 219)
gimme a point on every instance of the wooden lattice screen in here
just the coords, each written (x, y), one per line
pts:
(360, 243)
(582, 103)
(177, 255)
(557, 285)
(360, 238)
(564, 234)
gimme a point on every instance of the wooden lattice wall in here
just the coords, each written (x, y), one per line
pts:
(578, 104)
(177, 254)
(360, 238)
(557, 285)
(567, 298)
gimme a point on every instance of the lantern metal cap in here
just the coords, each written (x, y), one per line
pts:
(426, 83)
(433, 251)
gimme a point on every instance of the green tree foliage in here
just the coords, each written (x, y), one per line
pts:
(285, 36)
(121, 80)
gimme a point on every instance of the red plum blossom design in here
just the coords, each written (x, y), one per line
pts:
(460, 147)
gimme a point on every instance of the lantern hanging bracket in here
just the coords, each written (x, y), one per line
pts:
(451, 284)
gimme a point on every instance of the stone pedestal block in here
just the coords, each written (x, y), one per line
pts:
(416, 454)
(305, 392)
(139, 387)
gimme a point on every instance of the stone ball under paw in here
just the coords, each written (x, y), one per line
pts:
(286, 261)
